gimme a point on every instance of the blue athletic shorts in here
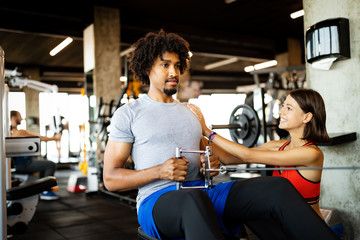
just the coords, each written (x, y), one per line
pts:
(218, 195)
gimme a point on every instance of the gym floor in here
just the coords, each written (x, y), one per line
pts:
(79, 216)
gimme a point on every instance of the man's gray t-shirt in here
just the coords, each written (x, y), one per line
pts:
(156, 129)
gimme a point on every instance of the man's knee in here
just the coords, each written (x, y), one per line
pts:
(193, 195)
(195, 200)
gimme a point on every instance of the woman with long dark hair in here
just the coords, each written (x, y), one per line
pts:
(303, 115)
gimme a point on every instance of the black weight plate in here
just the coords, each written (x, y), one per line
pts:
(249, 132)
(243, 121)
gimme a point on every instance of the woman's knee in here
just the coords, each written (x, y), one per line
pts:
(260, 185)
(281, 184)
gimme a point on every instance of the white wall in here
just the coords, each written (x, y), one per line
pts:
(340, 88)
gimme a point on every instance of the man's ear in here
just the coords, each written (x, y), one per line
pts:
(308, 117)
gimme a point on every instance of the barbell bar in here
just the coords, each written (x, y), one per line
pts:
(224, 169)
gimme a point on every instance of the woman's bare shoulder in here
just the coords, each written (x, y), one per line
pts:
(273, 145)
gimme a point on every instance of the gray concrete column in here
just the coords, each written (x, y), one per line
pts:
(102, 58)
(107, 53)
(340, 88)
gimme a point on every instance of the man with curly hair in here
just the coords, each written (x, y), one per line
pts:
(151, 127)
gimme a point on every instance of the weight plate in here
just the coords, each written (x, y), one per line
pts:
(249, 130)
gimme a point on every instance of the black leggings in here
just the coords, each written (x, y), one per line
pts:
(270, 206)
(43, 166)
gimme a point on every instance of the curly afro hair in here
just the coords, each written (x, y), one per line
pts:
(154, 45)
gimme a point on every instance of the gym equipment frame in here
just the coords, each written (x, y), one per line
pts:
(208, 153)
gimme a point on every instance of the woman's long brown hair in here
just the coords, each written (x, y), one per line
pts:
(311, 101)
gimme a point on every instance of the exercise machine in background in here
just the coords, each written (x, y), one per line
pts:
(20, 201)
(16, 79)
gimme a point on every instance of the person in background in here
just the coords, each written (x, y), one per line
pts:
(30, 165)
(303, 115)
(151, 127)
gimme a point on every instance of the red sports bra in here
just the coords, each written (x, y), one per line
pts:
(308, 189)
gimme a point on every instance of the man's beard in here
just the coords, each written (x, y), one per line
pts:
(170, 92)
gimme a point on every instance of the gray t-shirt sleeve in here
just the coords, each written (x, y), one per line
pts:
(120, 126)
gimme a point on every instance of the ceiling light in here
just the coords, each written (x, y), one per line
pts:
(221, 63)
(261, 66)
(249, 69)
(61, 46)
(297, 14)
(265, 64)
